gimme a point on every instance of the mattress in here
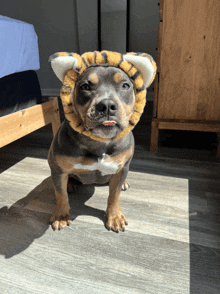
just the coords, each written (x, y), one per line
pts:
(18, 46)
(19, 91)
(19, 58)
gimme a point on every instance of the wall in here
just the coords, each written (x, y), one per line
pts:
(71, 26)
(144, 19)
(113, 25)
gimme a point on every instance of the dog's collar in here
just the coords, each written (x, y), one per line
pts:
(140, 68)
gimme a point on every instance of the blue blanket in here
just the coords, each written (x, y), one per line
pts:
(18, 47)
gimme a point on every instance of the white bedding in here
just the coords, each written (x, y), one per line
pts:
(18, 46)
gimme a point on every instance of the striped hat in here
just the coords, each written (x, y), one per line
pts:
(141, 68)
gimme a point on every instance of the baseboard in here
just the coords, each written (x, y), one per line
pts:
(56, 92)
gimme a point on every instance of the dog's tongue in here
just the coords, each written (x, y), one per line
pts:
(109, 123)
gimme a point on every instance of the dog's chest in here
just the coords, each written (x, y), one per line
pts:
(98, 172)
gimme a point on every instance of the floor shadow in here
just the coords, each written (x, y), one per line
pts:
(28, 218)
(20, 225)
(78, 199)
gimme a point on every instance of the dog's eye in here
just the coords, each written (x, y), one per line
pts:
(85, 87)
(125, 86)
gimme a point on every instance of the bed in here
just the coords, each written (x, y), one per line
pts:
(22, 109)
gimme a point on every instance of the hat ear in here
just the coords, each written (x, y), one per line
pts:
(61, 64)
(144, 65)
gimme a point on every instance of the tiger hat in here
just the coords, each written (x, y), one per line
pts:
(141, 68)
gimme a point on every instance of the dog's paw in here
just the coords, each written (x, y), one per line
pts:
(116, 221)
(125, 186)
(60, 222)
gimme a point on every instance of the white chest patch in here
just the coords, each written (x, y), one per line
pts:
(106, 168)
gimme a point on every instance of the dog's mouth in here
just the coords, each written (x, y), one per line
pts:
(105, 127)
(109, 123)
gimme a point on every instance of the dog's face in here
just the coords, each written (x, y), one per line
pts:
(104, 99)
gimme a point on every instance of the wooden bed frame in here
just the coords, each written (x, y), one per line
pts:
(18, 124)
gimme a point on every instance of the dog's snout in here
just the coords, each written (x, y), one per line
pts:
(107, 106)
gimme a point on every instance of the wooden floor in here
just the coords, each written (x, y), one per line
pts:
(171, 245)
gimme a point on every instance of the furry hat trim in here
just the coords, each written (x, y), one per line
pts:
(141, 68)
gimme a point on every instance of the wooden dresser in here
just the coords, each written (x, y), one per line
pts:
(187, 85)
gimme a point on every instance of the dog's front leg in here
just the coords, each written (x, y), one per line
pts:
(60, 217)
(115, 218)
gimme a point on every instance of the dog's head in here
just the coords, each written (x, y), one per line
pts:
(104, 99)
(103, 93)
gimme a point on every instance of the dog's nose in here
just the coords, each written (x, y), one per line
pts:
(107, 106)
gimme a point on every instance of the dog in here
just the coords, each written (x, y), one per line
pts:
(103, 100)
